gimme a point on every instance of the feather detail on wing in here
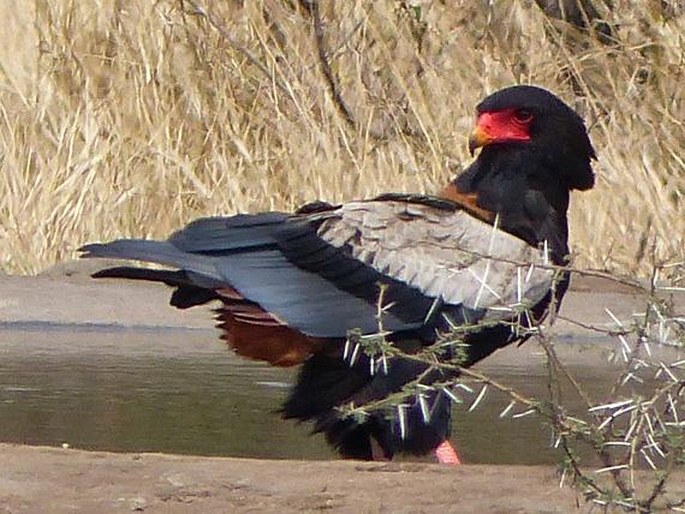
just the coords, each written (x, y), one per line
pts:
(445, 253)
(322, 272)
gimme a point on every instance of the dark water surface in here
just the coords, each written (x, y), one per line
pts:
(182, 391)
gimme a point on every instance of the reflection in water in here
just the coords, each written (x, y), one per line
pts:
(184, 392)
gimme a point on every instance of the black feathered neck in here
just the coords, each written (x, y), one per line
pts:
(515, 183)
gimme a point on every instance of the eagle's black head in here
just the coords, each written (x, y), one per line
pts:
(536, 120)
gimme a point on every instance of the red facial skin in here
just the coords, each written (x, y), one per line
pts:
(508, 125)
(504, 126)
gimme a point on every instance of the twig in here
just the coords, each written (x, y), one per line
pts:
(647, 433)
(198, 10)
(595, 328)
(332, 83)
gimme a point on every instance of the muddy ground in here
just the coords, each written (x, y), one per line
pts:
(41, 479)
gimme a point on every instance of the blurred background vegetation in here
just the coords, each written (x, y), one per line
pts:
(130, 118)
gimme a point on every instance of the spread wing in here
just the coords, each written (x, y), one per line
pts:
(400, 262)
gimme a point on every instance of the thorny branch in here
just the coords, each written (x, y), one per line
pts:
(625, 432)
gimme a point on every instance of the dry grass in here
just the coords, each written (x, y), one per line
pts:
(130, 118)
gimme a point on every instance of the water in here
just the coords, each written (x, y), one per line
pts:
(182, 391)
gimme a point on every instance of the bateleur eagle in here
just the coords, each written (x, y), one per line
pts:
(292, 287)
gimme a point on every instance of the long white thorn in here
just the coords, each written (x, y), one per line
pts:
(402, 415)
(611, 468)
(507, 409)
(355, 352)
(450, 394)
(523, 414)
(425, 412)
(346, 350)
(478, 399)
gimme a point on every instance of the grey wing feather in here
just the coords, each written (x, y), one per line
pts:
(445, 254)
(291, 265)
(218, 252)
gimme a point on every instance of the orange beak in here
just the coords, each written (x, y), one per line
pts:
(479, 137)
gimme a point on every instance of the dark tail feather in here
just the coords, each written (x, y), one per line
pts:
(170, 278)
(187, 294)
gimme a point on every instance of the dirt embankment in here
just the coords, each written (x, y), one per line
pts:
(40, 479)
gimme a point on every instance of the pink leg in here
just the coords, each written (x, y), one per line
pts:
(446, 454)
